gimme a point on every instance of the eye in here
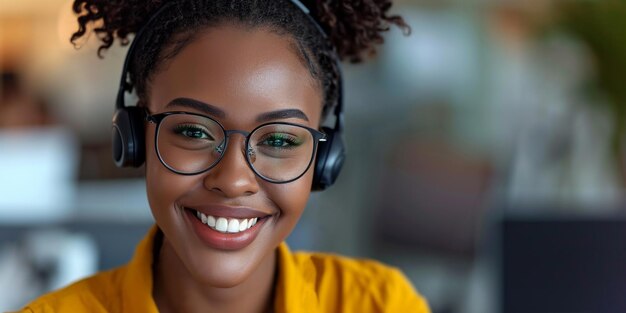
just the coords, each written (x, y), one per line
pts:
(193, 131)
(280, 140)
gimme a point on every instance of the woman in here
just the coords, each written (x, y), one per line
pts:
(231, 97)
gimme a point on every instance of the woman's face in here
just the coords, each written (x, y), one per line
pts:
(236, 76)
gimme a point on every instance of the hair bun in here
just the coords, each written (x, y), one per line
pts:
(112, 18)
(355, 27)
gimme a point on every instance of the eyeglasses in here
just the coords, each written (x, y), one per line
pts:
(189, 144)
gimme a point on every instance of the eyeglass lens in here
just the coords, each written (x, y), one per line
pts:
(191, 144)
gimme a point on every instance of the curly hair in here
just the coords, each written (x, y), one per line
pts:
(354, 29)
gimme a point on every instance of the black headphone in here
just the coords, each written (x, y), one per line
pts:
(128, 122)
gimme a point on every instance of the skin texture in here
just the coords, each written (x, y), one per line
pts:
(244, 72)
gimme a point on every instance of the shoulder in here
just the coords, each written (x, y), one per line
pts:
(96, 293)
(350, 285)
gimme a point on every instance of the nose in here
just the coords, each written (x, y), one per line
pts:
(232, 177)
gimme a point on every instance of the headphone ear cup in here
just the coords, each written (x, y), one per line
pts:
(128, 137)
(329, 160)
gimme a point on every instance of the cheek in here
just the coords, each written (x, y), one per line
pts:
(291, 198)
(163, 187)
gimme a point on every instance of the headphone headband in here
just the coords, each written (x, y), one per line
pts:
(339, 107)
(124, 84)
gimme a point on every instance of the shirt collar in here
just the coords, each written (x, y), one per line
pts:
(294, 291)
(136, 293)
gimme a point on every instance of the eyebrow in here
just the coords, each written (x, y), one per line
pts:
(217, 112)
(197, 105)
(281, 114)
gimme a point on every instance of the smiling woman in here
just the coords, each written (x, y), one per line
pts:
(232, 95)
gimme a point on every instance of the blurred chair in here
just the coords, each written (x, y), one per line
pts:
(429, 210)
(432, 199)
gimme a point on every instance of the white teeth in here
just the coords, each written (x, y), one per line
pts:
(210, 221)
(223, 224)
(243, 225)
(233, 226)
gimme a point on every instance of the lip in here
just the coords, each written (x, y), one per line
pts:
(226, 241)
(228, 211)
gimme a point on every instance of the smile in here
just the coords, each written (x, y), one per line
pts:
(226, 227)
(226, 224)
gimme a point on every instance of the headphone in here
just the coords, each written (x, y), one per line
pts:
(128, 135)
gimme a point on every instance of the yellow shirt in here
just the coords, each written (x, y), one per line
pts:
(307, 282)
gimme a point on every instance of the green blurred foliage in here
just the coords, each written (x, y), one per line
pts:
(601, 25)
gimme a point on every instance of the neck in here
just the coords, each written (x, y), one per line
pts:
(175, 290)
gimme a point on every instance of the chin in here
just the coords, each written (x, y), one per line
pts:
(226, 269)
(220, 277)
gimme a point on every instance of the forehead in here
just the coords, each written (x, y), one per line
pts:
(244, 72)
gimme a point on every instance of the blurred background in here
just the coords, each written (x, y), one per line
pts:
(486, 157)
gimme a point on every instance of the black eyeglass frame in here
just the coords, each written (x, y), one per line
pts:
(158, 118)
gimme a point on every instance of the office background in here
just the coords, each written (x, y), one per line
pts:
(494, 121)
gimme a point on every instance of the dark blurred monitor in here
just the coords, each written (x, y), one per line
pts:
(563, 264)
